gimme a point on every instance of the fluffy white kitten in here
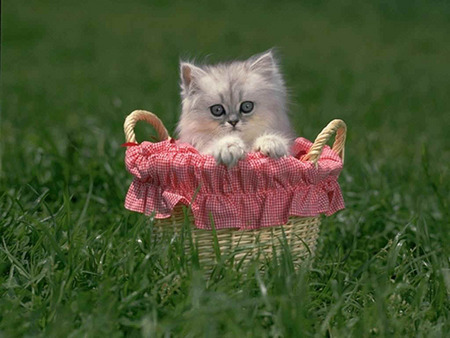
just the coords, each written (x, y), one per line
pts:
(233, 108)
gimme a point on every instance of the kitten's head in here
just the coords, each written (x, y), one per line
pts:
(247, 98)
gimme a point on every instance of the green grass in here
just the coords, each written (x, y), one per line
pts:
(74, 262)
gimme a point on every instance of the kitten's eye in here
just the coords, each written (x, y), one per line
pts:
(246, 107)
(217, 110)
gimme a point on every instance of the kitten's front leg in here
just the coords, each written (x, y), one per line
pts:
(228, 150)
(272, 145)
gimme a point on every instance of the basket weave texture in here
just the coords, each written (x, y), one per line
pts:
(254, 197)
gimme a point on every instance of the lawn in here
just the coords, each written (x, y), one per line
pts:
(74, 262)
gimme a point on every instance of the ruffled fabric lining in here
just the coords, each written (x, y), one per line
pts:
(258, 192)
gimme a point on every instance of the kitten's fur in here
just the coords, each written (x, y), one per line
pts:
(266, 128)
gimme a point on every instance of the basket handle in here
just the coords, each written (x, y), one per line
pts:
(150, 118)
(336, 126)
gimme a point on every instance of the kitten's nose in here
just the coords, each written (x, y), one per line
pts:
(233, 122)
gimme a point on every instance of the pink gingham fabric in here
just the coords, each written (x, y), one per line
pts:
(258, 192)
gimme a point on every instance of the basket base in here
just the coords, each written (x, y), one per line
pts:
(297, 238)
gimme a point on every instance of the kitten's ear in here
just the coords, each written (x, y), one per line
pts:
(264, 63)
(189, 74)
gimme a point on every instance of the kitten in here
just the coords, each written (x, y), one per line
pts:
(233, 108)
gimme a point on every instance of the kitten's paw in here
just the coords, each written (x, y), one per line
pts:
(272, 145)
(229, 150)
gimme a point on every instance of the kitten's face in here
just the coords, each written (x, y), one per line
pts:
(246, 98)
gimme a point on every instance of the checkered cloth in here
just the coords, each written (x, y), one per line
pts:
(257, 192)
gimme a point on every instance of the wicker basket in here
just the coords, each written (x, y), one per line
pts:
(299, 233)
